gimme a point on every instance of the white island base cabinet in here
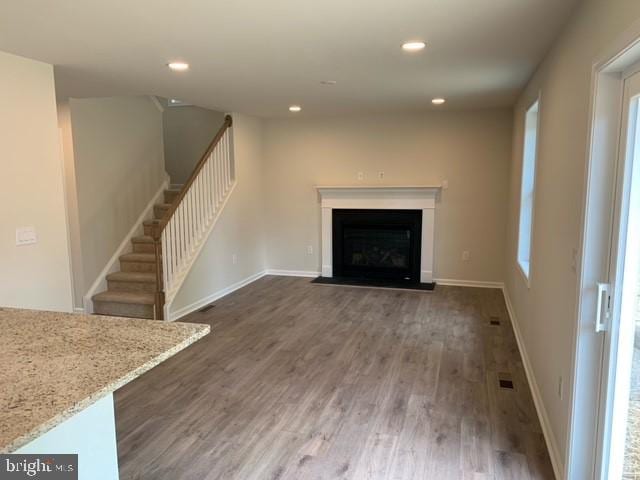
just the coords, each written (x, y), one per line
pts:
(91, 434)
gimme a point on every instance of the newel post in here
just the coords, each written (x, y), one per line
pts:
(159, 295)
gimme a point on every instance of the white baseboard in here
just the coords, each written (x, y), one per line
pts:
(293, 273)
(181, 312)
(100, 283)
(554, 453)
(467, 283)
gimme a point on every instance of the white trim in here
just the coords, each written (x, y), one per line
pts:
(78, 310)
(545, 423)
(426, 276)
(376, 188)
(450, 282)
(293, 273)
(112, 265)
(181, 312)
(157, 103)
(526, 279)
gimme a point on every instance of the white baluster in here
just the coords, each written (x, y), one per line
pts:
(199, 207)
(205, 191)
(228, 158)
(202, 204)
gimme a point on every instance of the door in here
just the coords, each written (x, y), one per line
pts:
(618, 308)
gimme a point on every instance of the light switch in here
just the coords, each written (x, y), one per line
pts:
(26, 236)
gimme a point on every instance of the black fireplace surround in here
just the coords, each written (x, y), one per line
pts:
(377, 244)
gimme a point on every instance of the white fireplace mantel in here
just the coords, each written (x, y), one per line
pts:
(417, 197)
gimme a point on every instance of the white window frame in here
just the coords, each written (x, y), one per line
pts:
(528, 184)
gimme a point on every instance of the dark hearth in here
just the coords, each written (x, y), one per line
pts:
(377, 244)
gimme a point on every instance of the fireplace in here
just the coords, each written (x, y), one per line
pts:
(419, 201)
(377, 244)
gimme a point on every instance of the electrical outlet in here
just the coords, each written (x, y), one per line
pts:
(309, 249)
(445, 184)
(381, 175)
(560, 387)
(360, 175)
(234, 258)
(466, 255)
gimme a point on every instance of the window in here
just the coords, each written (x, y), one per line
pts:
(527, 189)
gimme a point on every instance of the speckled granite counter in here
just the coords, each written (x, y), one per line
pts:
(53, 365)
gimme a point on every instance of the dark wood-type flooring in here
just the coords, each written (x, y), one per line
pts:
(303, 381)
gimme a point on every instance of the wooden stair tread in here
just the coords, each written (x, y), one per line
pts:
(164, 205)
(138, 257)
(139, 298)
(155, 221)
(140, 277)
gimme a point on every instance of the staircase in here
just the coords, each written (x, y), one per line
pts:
(149, 280)
(131, 291)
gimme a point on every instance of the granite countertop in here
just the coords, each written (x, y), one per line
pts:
(53, 365)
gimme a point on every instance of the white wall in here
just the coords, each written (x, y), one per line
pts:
(34, 276)
(119, 167)
(546, 313)
(239, 229)
(469, 149)
(188, 131)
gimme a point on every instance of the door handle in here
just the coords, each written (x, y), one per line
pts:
(602, 320)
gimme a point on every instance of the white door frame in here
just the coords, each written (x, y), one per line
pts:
(610, 429)
(614, 387)
(584, 460)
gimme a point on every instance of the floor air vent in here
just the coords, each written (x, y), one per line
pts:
(508, 384)
(206, 309)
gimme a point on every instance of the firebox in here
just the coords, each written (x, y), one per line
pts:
(377, 244)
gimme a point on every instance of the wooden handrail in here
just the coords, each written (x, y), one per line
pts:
(228, 121)
(158, 229)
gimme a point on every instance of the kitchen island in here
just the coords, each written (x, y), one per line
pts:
(58, 374)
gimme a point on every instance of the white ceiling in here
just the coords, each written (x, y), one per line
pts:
(259, 56)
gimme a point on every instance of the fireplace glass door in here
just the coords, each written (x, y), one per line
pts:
(377, 244)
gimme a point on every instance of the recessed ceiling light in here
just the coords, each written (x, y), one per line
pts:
(295, 108)
(176, 102)
(438, 101)
(328, 82)
(178, 66)
(413, 46)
